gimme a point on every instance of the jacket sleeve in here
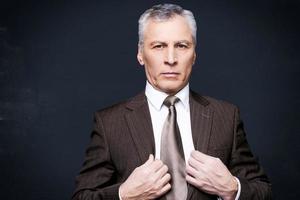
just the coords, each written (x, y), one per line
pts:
(243, 165)
(96, 179)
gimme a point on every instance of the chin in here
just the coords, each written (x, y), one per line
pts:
(170, 87)
(171, 90)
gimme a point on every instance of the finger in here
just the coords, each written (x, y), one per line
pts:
(191, 171)
(157, 173)
(198, 175)
(162, 182)
(156, 165)
(162, 171)
(191, 180)
(164, 190)
(195, 164)
(149, 161)
(201, 184)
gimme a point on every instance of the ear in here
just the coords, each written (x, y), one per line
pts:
(194, 58)
(140, 57)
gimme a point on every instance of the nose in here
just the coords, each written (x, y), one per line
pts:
(171, 57)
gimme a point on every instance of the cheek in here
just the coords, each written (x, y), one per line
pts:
(153, 59)
(188, 70)
(152, 67)
(151, 71)
(186, 75)
(188, 64)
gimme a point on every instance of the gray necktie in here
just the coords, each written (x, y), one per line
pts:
(172, 153)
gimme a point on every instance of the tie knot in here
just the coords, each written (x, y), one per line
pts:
(170, 101)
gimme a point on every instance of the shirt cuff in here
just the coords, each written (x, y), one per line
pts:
(239, 189)
(119, 194)
(238, 192)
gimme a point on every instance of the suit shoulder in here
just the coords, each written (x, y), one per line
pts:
(222, 109)
(220, 103)
(114, 109)
(213, 103)
(119, 109)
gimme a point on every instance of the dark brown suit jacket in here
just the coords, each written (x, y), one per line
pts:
(122, 140)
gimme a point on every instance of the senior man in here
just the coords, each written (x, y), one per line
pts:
(169, 142)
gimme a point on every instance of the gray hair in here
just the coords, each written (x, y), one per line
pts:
(164, 12)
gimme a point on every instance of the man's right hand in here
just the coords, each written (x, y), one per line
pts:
(148, 181)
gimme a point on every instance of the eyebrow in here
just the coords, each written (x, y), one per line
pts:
(157, 42)
(180, 41)
(184, 41)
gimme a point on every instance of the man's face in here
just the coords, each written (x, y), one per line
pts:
(168, 54)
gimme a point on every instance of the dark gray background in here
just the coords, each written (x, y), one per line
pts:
(62, 60)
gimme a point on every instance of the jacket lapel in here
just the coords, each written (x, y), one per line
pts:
(139, 122)
(201, 121)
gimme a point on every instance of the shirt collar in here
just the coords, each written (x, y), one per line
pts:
(156, 97)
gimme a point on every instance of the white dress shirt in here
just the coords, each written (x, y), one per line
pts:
(159, 113)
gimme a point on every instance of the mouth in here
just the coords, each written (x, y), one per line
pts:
(170, 74)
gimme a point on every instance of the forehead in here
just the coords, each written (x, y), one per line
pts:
(173, 29)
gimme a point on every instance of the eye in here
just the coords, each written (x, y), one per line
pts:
(158, 46)
(182, 46)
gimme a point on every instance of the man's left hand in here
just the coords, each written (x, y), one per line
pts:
(210, 175)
